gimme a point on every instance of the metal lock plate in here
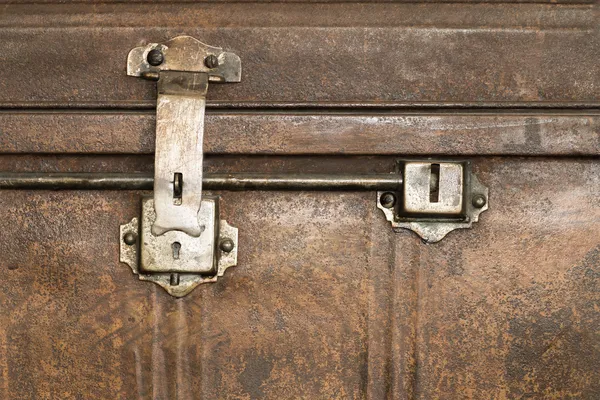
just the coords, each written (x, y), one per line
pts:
(176, 251)
(437, 197)
(179, 268)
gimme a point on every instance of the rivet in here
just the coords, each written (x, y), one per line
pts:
(130, 238)
(211, 61)
(479, 201)
(226, 245)
(387, 200)
(155, 57)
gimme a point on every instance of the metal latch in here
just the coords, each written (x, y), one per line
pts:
(435, 199)
(179, 241)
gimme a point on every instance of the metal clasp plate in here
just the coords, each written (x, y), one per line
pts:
(436, 198)
(176, 261)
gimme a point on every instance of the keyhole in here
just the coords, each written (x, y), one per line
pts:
(176, 246)
(434, 184)
(177, 188)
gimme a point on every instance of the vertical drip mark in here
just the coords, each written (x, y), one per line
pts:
(139, 377)
(4, 372)
(184, 379)
(159, 372)
(379, 349)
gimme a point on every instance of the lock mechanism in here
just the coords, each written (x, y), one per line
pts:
(435, 199)
(179, 241)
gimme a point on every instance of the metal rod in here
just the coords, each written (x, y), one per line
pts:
(237, 181)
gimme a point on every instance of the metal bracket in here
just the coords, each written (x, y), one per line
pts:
(179, 229)
(436, 198)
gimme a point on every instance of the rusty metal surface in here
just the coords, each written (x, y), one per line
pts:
(514, 306)
(326, 301)
(288, 132)
(336, 52)
(344, 309)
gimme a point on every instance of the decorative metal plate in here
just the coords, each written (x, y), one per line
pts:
(432, 210)
(199, 260)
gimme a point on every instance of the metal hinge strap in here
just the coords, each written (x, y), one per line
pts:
(178, 158)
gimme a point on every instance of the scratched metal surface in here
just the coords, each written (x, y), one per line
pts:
(297, 1)
(552, 132)
(326, 301)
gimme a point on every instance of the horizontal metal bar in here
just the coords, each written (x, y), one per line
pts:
(321, 106)
(238, 181)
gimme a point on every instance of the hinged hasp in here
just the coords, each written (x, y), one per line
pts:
(183, 67)
(180, 231)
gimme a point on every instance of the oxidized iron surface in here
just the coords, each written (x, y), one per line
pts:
(373, 53)
(552, 132)
(326, 302)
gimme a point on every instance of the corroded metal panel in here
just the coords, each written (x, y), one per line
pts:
(69, 55)
(290, 133)
(326, 302)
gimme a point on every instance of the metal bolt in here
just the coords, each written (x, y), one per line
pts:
(387, 200)
(155, 57)
(130, 238)
(211, 61)
(479, 201)
(226, 245)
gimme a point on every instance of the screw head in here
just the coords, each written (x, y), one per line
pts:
(387, 200)
(211, 61)
(479, 201)
(130, 238)
(227, 245)
(155, 57)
